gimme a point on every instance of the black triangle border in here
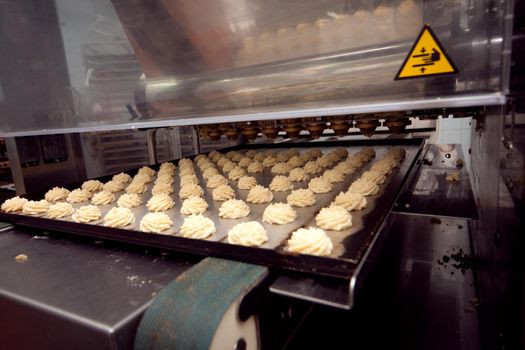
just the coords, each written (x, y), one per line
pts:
(441, 47)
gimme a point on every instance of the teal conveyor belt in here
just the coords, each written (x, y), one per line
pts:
(186, 313)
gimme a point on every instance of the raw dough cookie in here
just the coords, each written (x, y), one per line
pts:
(194, 205)
(113, 186)
(102, 198)
(129, 200)
(236, 173)
(251, 153)
(259, 194)
(281, 183)
(385, 163)
(206, 165)
(334, 218)
(87, 214)
(186, 171)
(59, 210)
(367, 153)
(312, 167)
(301, 198)
(160, 202)
(345, 168)
(281, 168)
(396, 153)
(374, 176)
(145, 178)
(56, 194)
(354, 161)
(233, 154)
(269, 162)
(189, 179)
(295, 161)
(245, 161)
(162, 188)
(319, 185)
(14, 204)
(228, 167)
(216, 180)
(155, 222)
(255, 167)
(164, 180)
(259, 156)
(119, 217)
(223, 193)
(282, 157)
(165, 173)
(365, 187)
(189, 190)
(333, 176)
(221, 162)
(246, 182)
(197, 227)
(93, 185)
(208, 173)
(341, 152)
(215, 155)
(121, 177)
(35, 207)
(298, 174)
(279, 213)
(313, 241)
(237, 157)
(167, 166)
(306, 157)
(251, 234)
(78, 195)
(136, 186)
(315, 152)
(325, 161)
(146, 170)
(234, 209)
(185, 163)
(350, 200)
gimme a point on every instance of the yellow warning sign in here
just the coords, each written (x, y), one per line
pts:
(427, 57)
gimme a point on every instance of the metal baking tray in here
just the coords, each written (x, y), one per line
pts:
(349, 245)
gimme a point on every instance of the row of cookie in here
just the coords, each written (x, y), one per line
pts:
(314, 161)
(337, 216)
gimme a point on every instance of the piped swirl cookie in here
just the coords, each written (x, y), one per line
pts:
(313, 241)
(251, 234)
(334, 218)
(279, 213)
(259, 194)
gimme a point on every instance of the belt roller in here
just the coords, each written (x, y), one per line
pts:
(200, 309)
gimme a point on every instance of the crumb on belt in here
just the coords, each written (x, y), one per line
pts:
(21, 258)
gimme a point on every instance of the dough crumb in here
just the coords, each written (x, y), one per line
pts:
(21, 258)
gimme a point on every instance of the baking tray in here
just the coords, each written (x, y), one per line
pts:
(349, 245)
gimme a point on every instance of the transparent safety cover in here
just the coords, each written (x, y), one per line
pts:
(78, 65)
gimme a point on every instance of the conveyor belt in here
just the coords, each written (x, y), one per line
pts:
(188, 311)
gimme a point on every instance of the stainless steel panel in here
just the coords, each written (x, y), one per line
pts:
(82, 294)
(432, 194)
(243, 60)
(39, 176)
(410, 300)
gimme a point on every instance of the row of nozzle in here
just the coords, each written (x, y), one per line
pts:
(313, 127)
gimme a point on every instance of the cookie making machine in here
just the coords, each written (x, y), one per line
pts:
(91, 88)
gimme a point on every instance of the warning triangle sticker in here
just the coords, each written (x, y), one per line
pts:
(426, 58)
